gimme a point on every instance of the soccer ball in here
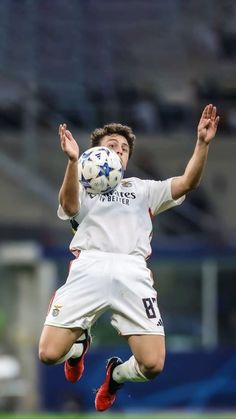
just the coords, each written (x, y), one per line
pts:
(100, 170)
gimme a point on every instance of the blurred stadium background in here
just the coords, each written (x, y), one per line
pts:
(153, 65)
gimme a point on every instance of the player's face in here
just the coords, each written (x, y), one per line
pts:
(119, 144)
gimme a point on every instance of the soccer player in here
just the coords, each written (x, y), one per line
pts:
(111, 246)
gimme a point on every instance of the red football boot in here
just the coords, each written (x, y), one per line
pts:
(74, 367)
(106, 393)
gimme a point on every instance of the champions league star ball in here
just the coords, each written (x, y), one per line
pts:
(100, 170)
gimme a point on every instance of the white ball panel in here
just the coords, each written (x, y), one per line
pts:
(90, 170)
(99, 184)
(114, 178)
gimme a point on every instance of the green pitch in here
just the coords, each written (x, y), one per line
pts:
(180, 415)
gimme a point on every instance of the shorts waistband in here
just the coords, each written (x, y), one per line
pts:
(98, 253)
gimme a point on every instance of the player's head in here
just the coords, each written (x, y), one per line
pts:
(112, 130)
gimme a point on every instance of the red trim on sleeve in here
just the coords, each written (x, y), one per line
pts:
(150, 212)
(51, 301)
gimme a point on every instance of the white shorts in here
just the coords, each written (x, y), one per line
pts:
(100, 281)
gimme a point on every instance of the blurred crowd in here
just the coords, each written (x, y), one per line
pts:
(142, 109)
(153, 68)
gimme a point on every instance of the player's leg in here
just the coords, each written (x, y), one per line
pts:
(56, 342)
(65, 337)
(137, 317)
(59, 345)
(149, 355)
(146, 363)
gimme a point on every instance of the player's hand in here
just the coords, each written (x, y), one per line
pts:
(208, 124)
(68, 143)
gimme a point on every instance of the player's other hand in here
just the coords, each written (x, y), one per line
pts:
(68, 143)
(208, 124)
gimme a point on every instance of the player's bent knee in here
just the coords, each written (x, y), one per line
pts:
(152, 368)
(48, 357)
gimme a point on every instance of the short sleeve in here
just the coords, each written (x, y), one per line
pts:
(159, 196)
(61, 213)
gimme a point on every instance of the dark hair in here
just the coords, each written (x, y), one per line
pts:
(114, 128)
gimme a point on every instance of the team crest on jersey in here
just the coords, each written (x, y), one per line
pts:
(56, 310)
(126, 184)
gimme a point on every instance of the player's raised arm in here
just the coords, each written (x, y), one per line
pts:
(206, 131)
(69, 192)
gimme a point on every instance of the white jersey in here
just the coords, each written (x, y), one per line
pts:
(120, 222)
